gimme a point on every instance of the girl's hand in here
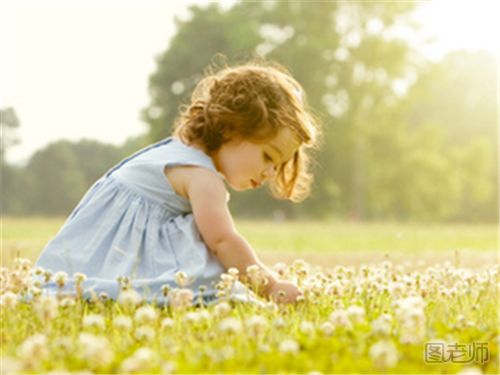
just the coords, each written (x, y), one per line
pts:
(284, 292)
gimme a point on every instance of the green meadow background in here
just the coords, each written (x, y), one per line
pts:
(321, 243)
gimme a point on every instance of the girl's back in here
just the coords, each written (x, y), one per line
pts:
(132, 223)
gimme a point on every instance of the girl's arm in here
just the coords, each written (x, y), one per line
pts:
(207, 194)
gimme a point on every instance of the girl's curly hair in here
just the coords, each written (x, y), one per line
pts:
(253, 101)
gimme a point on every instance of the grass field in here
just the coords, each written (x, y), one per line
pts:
(325, 243)
(379, 317)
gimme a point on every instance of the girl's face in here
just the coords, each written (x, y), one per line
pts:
(247, 165)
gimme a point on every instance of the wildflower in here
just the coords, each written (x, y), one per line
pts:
(129, 298)
(167, 367)
(181, 299)
(47, 275)
(281, 269)
(141, 361)
(256, 324)
(340, 318)
(327, 328)
(233, 272)
(96, 350)
(382, 325)
(256, 276)
(144, 333)
(47, 308)
(167, 323)
(34, 350)
(145, 314)
(279, 322)
(8, 300)
(230, 325)
(64, 343)
(103, 296)
(61, 278)
(222, 309)
(289, 346)
(384, 354)
(470, 370)
(79, 277)
(67, 302)
(356, 313)
(165, 289)
(122, 322)
(94, 321)
(306, 327)
(181, 279)
(35, 291)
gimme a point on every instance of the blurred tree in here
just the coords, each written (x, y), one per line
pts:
(9, 123)
(9, 175)
(345, 55)
(458, 96)
(58, 175)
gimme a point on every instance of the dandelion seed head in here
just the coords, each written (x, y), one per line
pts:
(129, 298)
(122, 322)
(144, 333)
(94, 321)
(8, 300)
(289, 346)
(230, 325)
(222, 309)
(167, 323)
(145, 315)
(384, 354)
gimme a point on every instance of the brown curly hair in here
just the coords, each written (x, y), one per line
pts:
(254, 101)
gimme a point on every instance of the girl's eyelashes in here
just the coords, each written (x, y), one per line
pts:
(267, 158)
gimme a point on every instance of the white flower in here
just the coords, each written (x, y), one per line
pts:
(356, 314)
(67, 302)
(94, 321)
(141, 361)
(233, 272)
(129, 298)
(96, 350)
(382, 325)
(79, 277)
(256, 324)
(47, 307)
(327, 328)
(306, 327)
(384, 354)
(340, 318)
(180, 299)
(122, 322)
(61, 278)
(34, 349)
(289, 346)
(145, 314)
(167, 323)
(8, 300)
(230, 325)
(222, 309)
(281, 269)
(144, 333)
(193, 317)
(279, 322)
(181, 279)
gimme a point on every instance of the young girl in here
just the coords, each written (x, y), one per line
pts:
(164, 209)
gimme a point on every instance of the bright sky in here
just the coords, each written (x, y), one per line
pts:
(79, 69)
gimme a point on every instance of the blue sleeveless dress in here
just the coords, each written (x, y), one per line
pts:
(132, 223)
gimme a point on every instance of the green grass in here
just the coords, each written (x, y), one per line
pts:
(459, 305)
(327, 243)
